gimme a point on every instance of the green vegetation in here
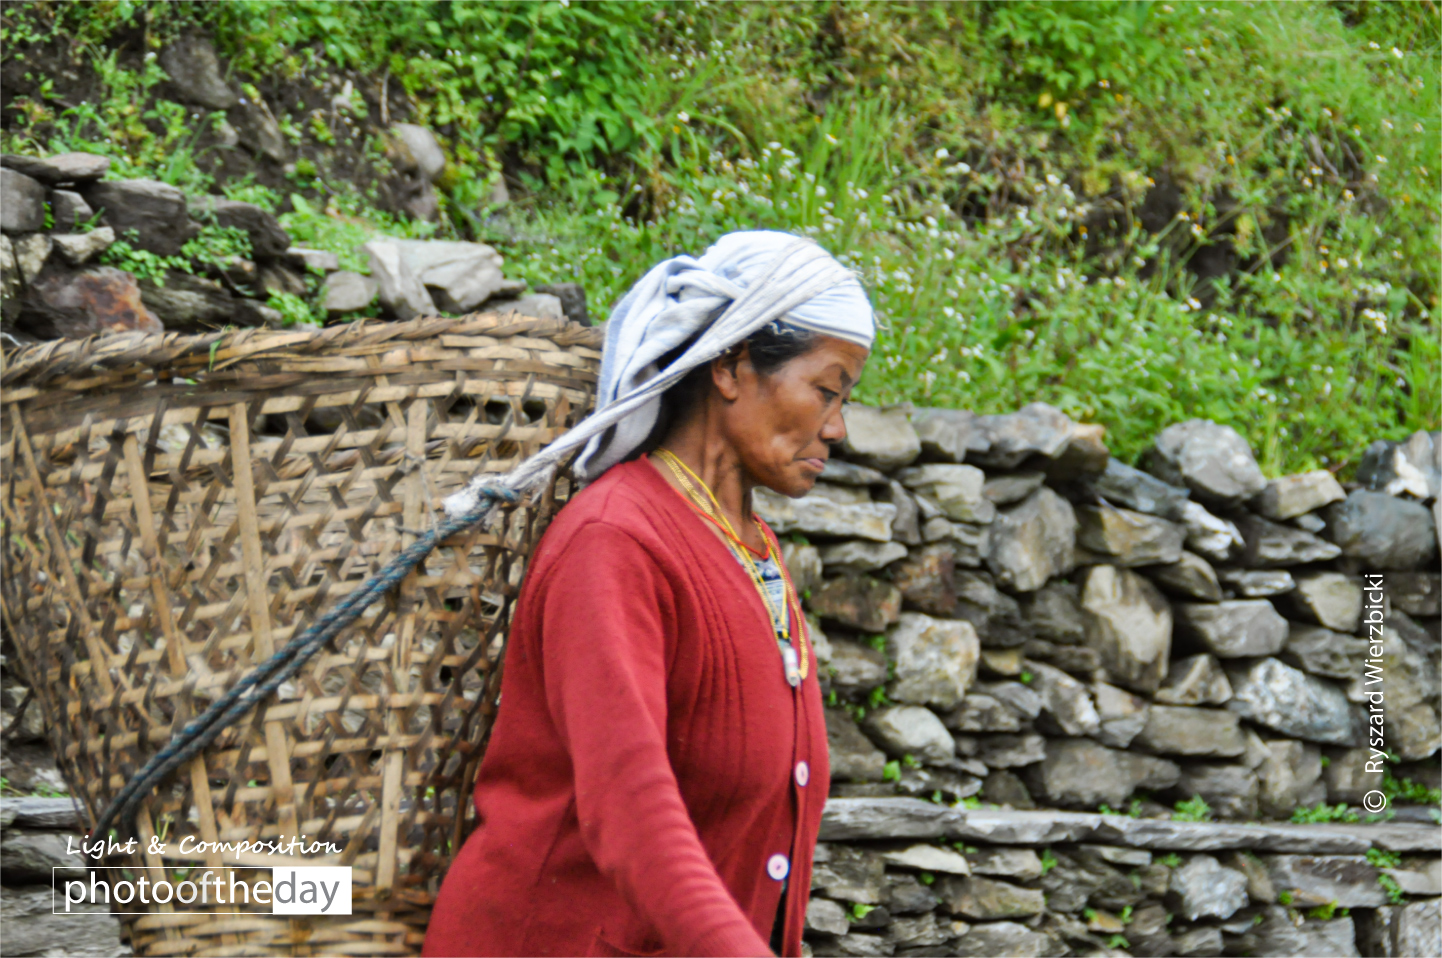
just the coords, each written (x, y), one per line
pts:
(860, 911)
(1406, 790)
(1194, 810)
(891, 771)
(1171, 860)
(1324, 912)
(1048, 860)
(1118, 941)
(1325, 813)
(1139, 212)
(1382, 858)
(1284, 897)
(1394, 891)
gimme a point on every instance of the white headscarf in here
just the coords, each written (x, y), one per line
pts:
(748, 279)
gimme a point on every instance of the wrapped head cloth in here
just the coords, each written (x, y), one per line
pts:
(745, 281)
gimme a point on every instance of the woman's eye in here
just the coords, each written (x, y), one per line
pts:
(829, 394)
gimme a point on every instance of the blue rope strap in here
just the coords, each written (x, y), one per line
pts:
(261, 682)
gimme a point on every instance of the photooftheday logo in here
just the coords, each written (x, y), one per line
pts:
(290, 889)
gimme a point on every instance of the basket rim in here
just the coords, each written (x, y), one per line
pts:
(37, 363)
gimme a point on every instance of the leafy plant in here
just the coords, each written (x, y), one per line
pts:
(1383, 858)
(877, 698)
(1118, 941)
(1390, 885)
(1325, 813)
(1171, 860)
(1284, 897)
(1195, 809)
(1048, 860)
(1323, 912)
(860, 911)
(926, 878)
(891, 771)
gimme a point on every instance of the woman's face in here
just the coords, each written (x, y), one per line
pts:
(783, 423)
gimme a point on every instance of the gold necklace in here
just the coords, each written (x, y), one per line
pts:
(796, 667)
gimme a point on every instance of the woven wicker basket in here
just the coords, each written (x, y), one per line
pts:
(178, 507)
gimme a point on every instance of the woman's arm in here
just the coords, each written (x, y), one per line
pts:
(606, 617)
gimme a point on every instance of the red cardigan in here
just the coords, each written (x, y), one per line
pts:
(651, 777)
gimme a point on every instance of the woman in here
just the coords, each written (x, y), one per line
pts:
(655, 781)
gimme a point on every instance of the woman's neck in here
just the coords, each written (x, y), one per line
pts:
(710, 456)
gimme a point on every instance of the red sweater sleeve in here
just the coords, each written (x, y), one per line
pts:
(604, 641)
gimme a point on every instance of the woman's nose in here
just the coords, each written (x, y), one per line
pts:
(833, 430)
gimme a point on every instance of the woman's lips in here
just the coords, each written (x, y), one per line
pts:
(817, 464)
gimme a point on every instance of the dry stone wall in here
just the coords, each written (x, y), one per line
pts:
(1010, 622)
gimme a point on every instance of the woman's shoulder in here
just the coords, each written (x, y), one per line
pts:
(623, 506)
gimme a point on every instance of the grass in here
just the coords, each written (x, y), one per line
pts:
(1324, 813)
(1140, 213)
(1195, 809)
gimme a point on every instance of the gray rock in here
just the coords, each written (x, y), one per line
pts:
(858, 601)
(1212, 460)
(31, 252)
(1292, 496)
(1347, 777)
(1311, 522)
(60, 168)
(1410, 683)
(928, 858)
(987, 899)
(1011, 751)
(911, 730)
(995, 615)
(1084, 455)
(934, 660)
(1121, 715)
(156, 212)
(820, 642)
(1289, 775)
(955, 490)
(853, 757)
(826, 917)
(842, 473)
(314, 260)
(401, 291)
(858, 555)
(1195, 680)
(347, 292)
(857, 945)
(1078, 772)
(194, 303)
(906, 526)
(1021, 864)
(30, 857)
(1055, 613)
(927, 781)
(80, 248)
(537, 305)
(855, 667)
(1005, 789)
(926, 579)
(1382, 531)
(419, 147)
(1064, 701)
(803, 564)
(22, 203)
(32, 928)
(1007, 488)
(970, 541)
(1234, 628)
(906, 896)
(1257, 583)
(1124, 486)
(1211, 537)
(1078, 659)
(843, 495)
(819, 516)
(1231, 790)
(1324, 652)
(849, 874)
(1190, 576)
(1292, 702)
(1035, 429)
(1207, 889)
(1418, 929)
(191, 62)
(1330, 599)
(1128, 538)
(1184, 730)
(916, 934)
(96, 300)
(1278, 935)
(573, 300)
(1400, 468)
(1032, 542)
(59, 814)
(1198, 942)
(1129, 624)
(981, 713)
(1416, 593)
(69, 210)
(947, 435)
(880, 438)
(10, 280)
(1269, 544)
(1007, 939)
(1024, 701)
(1348, 880)
(268, 239)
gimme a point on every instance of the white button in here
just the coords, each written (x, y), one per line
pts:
(803, 774)
(778, 867)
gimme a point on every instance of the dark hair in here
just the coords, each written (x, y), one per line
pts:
(770, 347)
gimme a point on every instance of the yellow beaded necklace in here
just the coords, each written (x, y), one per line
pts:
(796, 665)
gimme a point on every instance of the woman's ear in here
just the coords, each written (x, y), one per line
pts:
(726, 371)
